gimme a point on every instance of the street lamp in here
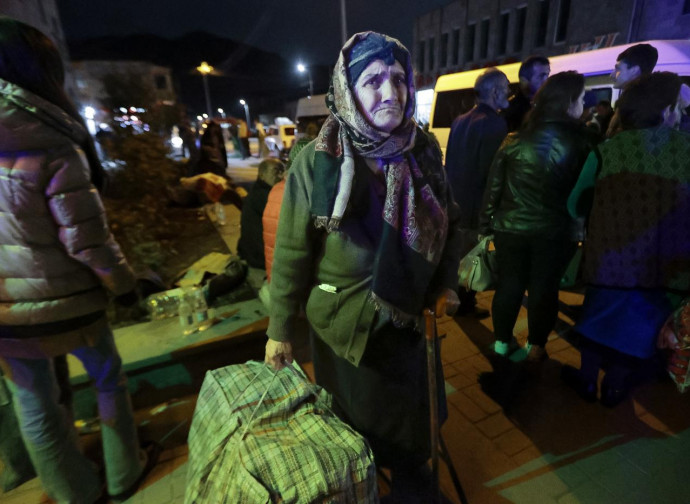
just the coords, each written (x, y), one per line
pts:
(204, 69)
(301, 68)
(221, 112)
(246, 111)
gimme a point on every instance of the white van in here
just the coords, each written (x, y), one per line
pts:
(311, 109)
(454, 93)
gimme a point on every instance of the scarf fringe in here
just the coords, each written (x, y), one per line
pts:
(399, 318)
(323, 222)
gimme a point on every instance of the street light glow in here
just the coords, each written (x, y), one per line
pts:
(220, 111)
(204, 68)
(242, 102)
(301, 67)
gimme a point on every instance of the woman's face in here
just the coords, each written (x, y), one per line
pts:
(381, 93)
(577, 106)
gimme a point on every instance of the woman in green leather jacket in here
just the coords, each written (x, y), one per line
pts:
(525, 208)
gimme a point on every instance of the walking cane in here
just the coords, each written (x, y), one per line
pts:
(434, 424)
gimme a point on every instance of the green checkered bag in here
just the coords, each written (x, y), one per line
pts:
(261, 436)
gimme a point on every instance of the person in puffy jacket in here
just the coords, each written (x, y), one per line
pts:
(525, 208)
(59, 262)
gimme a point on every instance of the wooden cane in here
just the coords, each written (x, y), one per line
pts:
(430, 336)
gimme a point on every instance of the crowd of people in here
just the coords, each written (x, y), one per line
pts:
(361, 231)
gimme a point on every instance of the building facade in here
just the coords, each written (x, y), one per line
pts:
(90, 77)
(470, 34)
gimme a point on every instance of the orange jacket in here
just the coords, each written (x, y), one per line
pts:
(270, 223)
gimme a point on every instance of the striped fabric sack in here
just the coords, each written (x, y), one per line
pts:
(261, 436)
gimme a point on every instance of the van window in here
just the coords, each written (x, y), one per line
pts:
(602, 93)
(451, 104)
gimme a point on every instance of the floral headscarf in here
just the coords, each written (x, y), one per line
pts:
(415, 218)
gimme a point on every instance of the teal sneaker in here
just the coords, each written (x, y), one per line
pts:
(520, 354)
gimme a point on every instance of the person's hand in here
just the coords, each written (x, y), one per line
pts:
(447, 303)
(278, 354)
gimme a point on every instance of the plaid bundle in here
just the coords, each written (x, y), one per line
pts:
(262, 436)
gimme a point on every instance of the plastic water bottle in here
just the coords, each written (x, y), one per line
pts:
(219, 211)
(202, 318)
(162, 305)
(186, 315)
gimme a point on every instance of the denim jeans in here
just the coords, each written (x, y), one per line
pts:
(51, 440)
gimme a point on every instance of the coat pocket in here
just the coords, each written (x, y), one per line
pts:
(322, 306)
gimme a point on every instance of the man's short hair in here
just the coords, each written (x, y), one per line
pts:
(528, 65)
(487, 81)
(640, 55)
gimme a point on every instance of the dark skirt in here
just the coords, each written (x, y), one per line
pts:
(385, 398)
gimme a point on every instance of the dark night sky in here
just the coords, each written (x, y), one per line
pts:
(307, 30)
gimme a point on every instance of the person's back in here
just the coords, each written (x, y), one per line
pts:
(64, 259)
(251, 245)
(542, 167)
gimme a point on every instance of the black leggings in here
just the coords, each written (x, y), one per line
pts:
(535, 264)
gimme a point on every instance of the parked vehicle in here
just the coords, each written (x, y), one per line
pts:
(280, 137)
(454, 93)
(311, 109)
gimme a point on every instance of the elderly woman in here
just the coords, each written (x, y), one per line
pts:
(367, 238)
(525, 208)
(637, 253)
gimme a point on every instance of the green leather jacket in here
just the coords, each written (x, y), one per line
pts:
(530, 180)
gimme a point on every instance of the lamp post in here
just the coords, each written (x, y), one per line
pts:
(221, 112)
(204, 69)
(246, 111)
(302, 68)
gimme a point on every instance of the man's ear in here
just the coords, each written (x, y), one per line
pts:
(637, 71)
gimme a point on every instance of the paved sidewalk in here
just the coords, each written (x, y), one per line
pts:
(513, 437)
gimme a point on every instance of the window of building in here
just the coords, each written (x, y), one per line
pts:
(520, 19)
(686, 7)
(444, 51)
(469, 41)
(421, 47)
(432, 54)
(456, 46)
(503, 33)
(161, 82)
(542, 21)
(562, 23)
(484, 46)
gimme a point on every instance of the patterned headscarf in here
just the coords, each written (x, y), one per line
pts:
(415, 218)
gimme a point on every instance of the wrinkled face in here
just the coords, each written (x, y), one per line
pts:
(622, 74)
(381, 93)
(577, 106)
(539, 75)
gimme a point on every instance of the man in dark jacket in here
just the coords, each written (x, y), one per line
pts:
(631, 64)
(474, 139)
(533, 73)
